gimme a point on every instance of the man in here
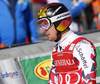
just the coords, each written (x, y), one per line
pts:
(17, 24)
(73, 59)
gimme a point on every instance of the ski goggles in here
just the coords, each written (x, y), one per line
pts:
(45, 23)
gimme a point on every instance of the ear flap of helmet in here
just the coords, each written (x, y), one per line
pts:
(64, 24)
(58, 36)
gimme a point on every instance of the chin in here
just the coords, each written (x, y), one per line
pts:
(51, 40)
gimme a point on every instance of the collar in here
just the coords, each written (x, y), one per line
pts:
(64, 38)
(69, 38)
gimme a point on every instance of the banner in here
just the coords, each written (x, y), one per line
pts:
(36, 68)
(11, 72)
(98, 65)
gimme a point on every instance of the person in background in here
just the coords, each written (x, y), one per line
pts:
(17, 23)
(75, 7)
(35, 6)
(73, 59)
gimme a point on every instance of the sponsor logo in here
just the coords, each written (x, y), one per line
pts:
(57, 10)
(82, 57)
(64, 62)
(64, 15)
(10, 75)
(68, 78)
(42, 69)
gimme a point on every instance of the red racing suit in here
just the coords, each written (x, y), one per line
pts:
(73, 61)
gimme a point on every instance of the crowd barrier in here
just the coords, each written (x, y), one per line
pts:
(30, 63)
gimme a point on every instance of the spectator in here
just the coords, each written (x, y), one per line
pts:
(75, 9)
(17, 24)
(35, 6)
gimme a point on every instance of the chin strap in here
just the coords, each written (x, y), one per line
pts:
(58, 36)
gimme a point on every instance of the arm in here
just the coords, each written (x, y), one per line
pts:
(52, 75)
(86, 56)
(76, 10)
(32, 28)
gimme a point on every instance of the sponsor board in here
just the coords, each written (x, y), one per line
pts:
(36, 69)
(42, 69)
(10, 72)
(98, 65)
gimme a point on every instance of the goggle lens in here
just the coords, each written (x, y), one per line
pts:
(43, 24)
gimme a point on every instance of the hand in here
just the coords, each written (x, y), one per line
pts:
(87, 1)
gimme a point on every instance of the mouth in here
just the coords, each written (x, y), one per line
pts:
(47, 35)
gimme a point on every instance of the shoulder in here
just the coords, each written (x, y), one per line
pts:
(84, 47)
(84, 44)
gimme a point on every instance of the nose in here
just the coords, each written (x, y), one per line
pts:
(43, 31)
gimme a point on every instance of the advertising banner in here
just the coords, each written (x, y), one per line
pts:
(11, 72)
(98, 65)
(36, 68)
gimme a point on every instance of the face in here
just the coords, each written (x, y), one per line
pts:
(51, 33)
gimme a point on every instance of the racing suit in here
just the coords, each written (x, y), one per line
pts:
(73, 61)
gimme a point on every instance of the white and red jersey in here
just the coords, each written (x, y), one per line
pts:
(73, 61)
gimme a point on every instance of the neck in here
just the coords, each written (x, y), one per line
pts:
(63, 34)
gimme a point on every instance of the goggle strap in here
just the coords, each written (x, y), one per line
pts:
(60, 16)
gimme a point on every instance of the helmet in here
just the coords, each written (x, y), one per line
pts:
(54, 13)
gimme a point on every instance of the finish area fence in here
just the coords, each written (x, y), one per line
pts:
(30, 63)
